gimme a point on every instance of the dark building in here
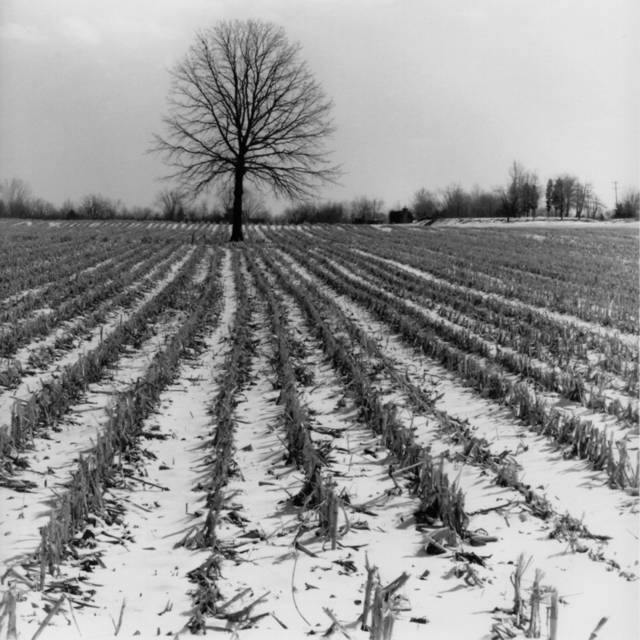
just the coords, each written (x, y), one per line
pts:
(400, 216)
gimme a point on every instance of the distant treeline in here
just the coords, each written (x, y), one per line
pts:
(522, 196)
(563, 196)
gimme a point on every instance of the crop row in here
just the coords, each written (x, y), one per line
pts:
(145, 278)
(51, 278)
(34, 247)
(45, 406)
(35, 259)
(87, 299)
(439, 500)
(63, 287)
(530, 332)
(318, 491)
(524, 252)
(578, 263)
(234, 375)
(438, 496)
(587, 302)
(476, 336)
(472, 449)
(48, 256)
(100, 467)
(43, 353)
(487, 302)
(586, 440)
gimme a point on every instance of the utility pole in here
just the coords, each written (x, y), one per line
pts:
(615, 188)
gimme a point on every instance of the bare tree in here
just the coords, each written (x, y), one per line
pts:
(564, 194)
(310, 212)
(512, 195)
(629, 206)
(98, 207)
(40, 208)
(484, 204)
(522, 194)
(366, 210)
(171, 203)
(243, 104)
(594, 206)
(425, 204)
(583, 194)
(455, 202)
(16, 195)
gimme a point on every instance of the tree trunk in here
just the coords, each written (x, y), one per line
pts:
(236, 222)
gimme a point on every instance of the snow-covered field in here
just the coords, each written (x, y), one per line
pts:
(332, 431)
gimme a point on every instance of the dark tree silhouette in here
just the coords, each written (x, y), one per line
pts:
(244, 105)
(522, 194)
(548, 196)
(425, 205)
(16, 195)
(171, 203)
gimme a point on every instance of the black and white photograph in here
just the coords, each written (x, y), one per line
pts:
(320, 318)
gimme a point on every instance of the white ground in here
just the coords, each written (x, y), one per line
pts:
(155, 519)
(144, 576)
(34, 380)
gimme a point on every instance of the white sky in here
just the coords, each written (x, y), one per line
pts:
(426, 93)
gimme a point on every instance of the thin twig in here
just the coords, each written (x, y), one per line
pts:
(405, 469)
(275, 617)
(73, 615)
(293, 596)
(336, 622)
(496, 507)
(147, 482)
(50, 615)
(120, 617)
(243, 613)
(15, 574)
(298, 545)
(238, 595)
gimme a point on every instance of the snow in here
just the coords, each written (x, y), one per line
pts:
(278, 563)
(155, 519)
(627, 338)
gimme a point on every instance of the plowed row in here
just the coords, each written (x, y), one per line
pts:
(357, 432)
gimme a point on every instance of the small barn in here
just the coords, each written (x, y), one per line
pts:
(400, 216)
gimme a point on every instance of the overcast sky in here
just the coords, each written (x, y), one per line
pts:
(426, 93)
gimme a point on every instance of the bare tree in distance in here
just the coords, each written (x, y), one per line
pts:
(582, 197)
(171, 204)
(455, 202)
(594, 206)
(244, 105)
(425, 205)
(367, 210)
(15, 194)
(522, 193)
(98, 207)
(564, 194)
(629, 206)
